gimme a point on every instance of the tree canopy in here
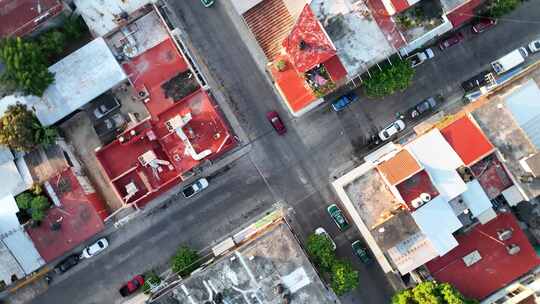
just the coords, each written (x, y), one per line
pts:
(393, 77)
(320, 248)
(25, 66)
(21, 130)
(185, 261)
(344, 277)
(431, 292)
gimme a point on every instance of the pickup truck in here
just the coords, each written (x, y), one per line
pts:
(419, 58)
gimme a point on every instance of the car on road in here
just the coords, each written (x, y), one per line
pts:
(534, 46)
(277, 123)
(207, 3)
(345, 100)
(67, 263)
(361, 252)
(391, 130)
(423, 107)
(131, 286)
(338, 217)
(95, 248)
(322, 231)
(483, 25)
(451, 41)
(419, 58)
(482, 79)
(194, 188)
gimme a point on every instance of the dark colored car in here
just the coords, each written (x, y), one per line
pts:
(338, 217)
(482, 79)
(345, 100)
(423, 107)
(361, 252)
(277, 123)
(131, 286)
(483, 25)
(451, 41)
(67, 263)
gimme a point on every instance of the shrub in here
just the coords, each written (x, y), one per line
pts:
(431, 292)
(151, 279)
(281, 65)
(73, 27)
(52, 42)
(498, 8)
(24, 200)
(185, 261)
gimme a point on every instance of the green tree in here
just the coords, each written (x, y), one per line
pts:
(344, 277)
(392, 78)
(25, 66)
(73, 27)
(185, 261)
(320, 249)
(431, 292)
(498, 8)
(20, 129)
(24, 200)
(52, 42)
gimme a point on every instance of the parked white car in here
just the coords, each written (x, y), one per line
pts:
(321, 231)
(95, 248)
(534, 46)
(394, 128)
(195, 187)
(419, 58)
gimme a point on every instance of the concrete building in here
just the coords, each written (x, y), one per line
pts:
(438, 207)
(268, 268)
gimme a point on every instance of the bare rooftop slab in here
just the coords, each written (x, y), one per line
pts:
(252, 273)
(502, 129)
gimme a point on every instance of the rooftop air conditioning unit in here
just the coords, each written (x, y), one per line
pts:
(513, 249)
(425, 197)
(505, 234)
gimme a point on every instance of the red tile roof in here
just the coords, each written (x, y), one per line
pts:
(318, 47)
(415, 185)
(495, 269)
(386, 24)
(293, 87)
(467, 140)
(270, 22)
(20, 17)
(335, 68)
(492, 176)
(81, 217)
(400, 5)
(464, 13)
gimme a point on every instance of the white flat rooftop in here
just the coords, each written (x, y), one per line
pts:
(438, 158)
(359, 41)
(79, 78)
(100, 16)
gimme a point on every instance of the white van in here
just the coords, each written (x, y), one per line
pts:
(510, 60)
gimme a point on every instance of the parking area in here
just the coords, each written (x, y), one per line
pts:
(80, 130)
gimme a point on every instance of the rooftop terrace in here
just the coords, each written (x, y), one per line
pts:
(252, 274)
(80, 217)
(491, 267)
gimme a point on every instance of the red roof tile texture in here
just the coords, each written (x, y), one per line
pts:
(495, 269)
(293, 87)
(386, 24)
(308, 45)
(270, 22)
(467, 140)
(464, 13)
(20, 17)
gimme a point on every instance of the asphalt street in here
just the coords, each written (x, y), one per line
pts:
(295, 169)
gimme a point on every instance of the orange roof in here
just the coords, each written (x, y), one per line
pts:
(467, 140)
(399, 167)
(293, 87)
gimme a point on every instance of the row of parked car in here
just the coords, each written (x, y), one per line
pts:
(341, 221)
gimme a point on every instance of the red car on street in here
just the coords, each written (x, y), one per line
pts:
(451, 41)
(277, 123)
(131, 286)
(483, 25)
